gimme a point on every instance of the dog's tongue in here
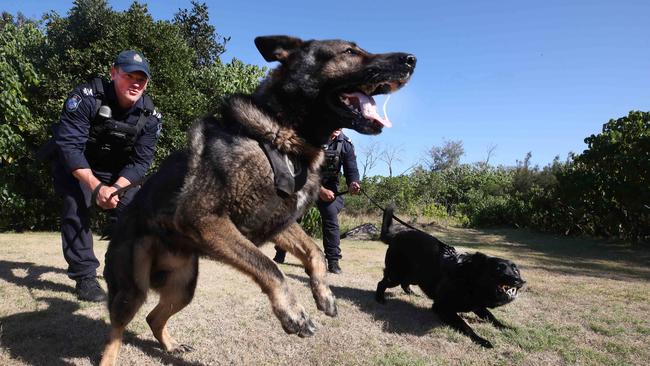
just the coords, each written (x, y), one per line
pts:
(368, 108)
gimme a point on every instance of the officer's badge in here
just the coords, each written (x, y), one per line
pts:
(72, 103)
(137, 58)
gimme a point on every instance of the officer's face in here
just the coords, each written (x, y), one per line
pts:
(129, 86)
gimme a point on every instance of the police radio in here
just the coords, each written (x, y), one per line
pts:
(105, 112)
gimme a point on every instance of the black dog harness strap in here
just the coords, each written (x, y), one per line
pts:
(289, 175)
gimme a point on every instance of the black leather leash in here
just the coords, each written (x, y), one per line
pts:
(383, 210)
(120, 192)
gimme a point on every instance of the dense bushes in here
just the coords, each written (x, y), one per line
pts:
(604, 191)
(40, 62)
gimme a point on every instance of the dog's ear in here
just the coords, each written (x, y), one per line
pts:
(277, 48)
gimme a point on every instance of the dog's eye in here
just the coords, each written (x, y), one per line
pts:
(351, 51)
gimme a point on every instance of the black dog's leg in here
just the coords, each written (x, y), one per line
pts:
(407, 288)
(453, 320)
(381, 289)
(486, 315)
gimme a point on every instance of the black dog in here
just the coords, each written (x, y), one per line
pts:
(455, 282)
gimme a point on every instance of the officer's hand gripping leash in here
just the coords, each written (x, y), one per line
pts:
(120, 192)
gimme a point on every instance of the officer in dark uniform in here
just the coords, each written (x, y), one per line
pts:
(104, 140)
(339, 151)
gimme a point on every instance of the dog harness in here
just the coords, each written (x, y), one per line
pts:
(289, 174)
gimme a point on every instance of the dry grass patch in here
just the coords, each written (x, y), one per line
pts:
(587, 303)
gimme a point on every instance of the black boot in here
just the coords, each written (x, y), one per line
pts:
(279, 256)
(333, 266)
(88, 289)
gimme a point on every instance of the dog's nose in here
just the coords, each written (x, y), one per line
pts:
(410, 60)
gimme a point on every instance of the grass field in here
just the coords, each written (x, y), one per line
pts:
(587, 302)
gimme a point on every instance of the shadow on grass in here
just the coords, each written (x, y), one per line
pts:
(397, 315)
(32, 278)
(54, 335)
(571, 256)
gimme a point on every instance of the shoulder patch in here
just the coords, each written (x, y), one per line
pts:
(87, 92)
(73, 102)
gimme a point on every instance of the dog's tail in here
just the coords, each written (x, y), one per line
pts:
(387, 223)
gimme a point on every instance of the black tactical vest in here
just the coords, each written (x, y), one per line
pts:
(332, 162)
(109, 139)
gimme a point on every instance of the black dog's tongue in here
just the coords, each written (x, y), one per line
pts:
(367, 106)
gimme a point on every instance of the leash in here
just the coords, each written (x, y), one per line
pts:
(122, 191)
(384, 210)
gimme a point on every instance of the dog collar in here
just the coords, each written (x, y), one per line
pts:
(289, 174)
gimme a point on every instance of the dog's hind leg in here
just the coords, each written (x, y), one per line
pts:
(126, 295)
(456, 322)
(407, 288)
(382, 285)
(297, 242)
(222, 241)
(175, 280)
(486, 315)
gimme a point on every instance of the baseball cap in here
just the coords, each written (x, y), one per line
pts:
(131, 60)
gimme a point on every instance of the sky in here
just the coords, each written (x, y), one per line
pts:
(515, 76)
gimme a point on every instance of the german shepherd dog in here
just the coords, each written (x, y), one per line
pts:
(456, 282)
(249, 172)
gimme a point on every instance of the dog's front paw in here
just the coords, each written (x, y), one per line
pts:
(483, 342)
(327, 304)
(297, 323)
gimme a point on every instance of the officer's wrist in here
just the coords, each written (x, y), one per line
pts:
(117, 186)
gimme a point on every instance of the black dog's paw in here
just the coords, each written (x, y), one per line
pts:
(483, 342)
(407, 290)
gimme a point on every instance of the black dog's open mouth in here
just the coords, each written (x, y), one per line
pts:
(510, 291)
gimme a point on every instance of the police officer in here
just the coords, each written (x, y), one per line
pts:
(105, 140)
(339, 151)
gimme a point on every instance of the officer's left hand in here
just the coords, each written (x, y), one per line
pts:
(104, 199)
(354, 188)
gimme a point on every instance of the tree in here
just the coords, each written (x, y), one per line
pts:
(390, 156)
(616, 167)
(446, 156)
(199, 34)
(370, 154)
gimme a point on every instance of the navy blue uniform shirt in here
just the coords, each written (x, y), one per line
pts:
(71, 134)
(348, 160)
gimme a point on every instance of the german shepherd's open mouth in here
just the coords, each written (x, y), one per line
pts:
(356, 102)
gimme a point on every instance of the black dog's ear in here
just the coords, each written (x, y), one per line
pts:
(277, 48)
